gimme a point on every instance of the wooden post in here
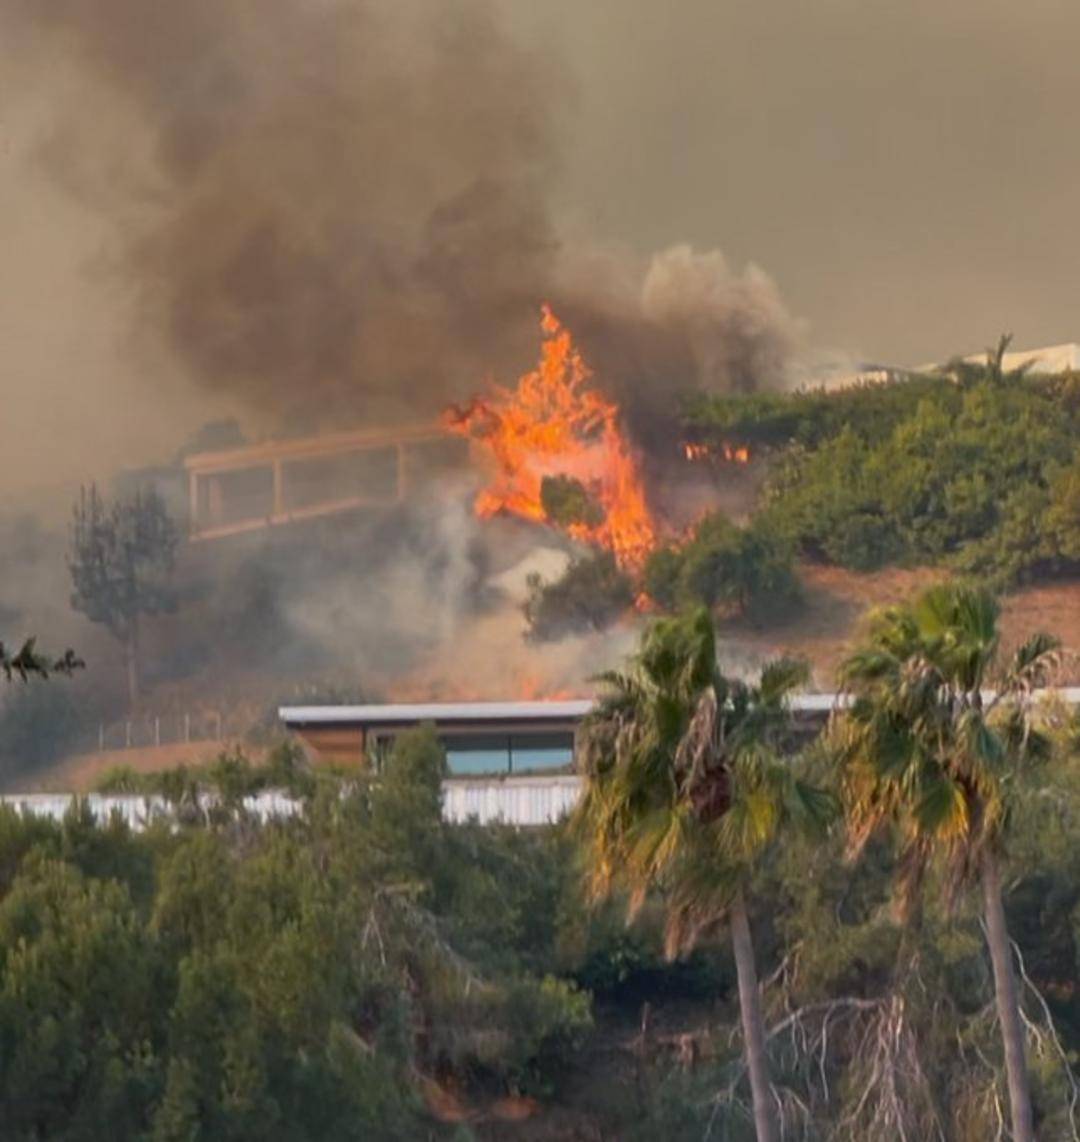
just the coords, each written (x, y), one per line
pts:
(215, 498)
(193, 502)
(187, 727)
(101, 737)
(157, 730)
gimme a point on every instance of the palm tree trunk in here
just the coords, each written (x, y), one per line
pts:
(752, 1021)
(1008, 1005)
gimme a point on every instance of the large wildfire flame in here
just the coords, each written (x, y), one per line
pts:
(554, 425)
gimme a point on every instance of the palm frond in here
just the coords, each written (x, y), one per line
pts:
(982, 745)
(810, 807)
(942, 809)
(26, 662)
(1032, 663)
(780, 677)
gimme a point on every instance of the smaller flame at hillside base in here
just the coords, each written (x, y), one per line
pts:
(554, 424)
(730, 453)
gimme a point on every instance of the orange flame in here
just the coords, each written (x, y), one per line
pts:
(553, 424)
(731, 453)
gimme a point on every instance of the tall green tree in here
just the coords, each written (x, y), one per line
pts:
(929, 751)
(121, 561)
(686, 787)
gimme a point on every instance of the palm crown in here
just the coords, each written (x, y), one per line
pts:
(685, 783)
(938, 729)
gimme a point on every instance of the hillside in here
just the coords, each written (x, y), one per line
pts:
(822, 631)
(837, 599)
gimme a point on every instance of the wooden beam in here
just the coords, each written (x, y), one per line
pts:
(329, 444)
(256, 523)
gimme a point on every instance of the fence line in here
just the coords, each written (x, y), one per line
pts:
(167, 729)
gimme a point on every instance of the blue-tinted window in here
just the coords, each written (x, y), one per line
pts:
(532, 752)
(501, 753)
(477, 753)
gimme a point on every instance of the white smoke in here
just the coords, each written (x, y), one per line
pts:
(740, 331)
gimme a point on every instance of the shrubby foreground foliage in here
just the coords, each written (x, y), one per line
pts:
(338, 975)
(301, 980)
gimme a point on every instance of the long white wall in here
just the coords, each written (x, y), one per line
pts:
(513, 800)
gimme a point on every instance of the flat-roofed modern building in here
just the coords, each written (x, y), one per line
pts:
(500, 739)
(509, 761)
(481, 738)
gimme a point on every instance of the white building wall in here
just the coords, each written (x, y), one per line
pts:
(513, 800)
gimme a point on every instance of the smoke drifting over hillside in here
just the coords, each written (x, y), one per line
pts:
(320, 214)
(342, 208)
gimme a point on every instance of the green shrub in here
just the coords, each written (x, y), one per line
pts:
(591, 595)
(980, 473)
(120, 779)
(566, 501)
(744, 571)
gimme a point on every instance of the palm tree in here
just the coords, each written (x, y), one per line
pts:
(685, 789)
(927, 750)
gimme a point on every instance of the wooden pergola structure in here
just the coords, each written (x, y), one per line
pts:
(282, 481)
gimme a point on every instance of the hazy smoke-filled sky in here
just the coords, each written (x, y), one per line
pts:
(225, 204)
(906, 170)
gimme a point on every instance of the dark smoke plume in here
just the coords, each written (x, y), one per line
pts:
(347, 197)
(345, 209)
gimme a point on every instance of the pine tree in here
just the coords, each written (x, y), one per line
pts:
(121, 563)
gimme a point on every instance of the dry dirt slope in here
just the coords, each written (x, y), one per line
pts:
(836, 601)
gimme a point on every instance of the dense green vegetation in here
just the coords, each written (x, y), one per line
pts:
(737, 570)
(305, 979)
(978, 469)
(354, 971)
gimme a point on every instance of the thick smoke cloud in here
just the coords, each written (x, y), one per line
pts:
(343, 207)
(323, 213)
(340, 199)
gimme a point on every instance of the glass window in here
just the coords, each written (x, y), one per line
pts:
(530, 753)
(477, 753)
